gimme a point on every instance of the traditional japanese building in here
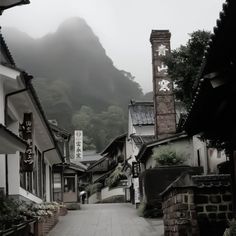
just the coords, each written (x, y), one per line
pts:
(66, 186)
(212, 113)
(30, 148)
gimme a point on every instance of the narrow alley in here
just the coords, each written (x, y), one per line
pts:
(107, 220)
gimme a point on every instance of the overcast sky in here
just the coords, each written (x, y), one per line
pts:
(123, 26)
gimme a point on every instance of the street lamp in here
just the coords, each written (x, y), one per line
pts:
(5, 4)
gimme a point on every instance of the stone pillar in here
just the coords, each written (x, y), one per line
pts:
(164, 104)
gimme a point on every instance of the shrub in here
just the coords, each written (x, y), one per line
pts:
(73, 206)
(115, 177)
(166, 156)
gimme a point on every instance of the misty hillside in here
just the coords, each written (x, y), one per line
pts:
(71, 69)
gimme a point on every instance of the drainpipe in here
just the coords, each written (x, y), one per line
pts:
(5, 121)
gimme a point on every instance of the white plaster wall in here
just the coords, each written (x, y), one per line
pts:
(131, 151)
(106, 193)
(131, 129)
(2, 171)
(215, 157)
(150, 163)
(13, 173)
(48, 191)
(201, 146)
(145, 130)
(2, 95)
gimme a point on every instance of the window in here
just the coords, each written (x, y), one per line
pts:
(69, 184)
(57, 187)
(198, 158)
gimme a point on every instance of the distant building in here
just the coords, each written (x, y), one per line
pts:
(66, 186)
(90, 157)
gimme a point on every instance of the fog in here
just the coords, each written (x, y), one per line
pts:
(123, 26)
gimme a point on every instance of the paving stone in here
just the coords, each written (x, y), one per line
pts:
(107, 220)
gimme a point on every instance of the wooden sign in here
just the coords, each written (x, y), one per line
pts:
(135, 169)
(27, 158)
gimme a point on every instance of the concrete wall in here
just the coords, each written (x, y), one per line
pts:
(108, 193)
(94, 198)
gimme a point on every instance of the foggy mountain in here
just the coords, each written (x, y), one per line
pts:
(71, 69)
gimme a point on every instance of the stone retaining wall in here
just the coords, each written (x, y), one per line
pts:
(203, 207)
(179, 213)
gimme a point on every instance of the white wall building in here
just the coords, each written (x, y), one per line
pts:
(17, 101)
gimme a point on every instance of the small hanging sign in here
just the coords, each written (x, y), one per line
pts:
(27, 158)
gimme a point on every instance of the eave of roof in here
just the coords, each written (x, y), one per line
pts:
(22, 2)
(96, 163)
(63, 131)
(112, 142)
(212, 60)
(149, 146)
(5, 49)
(14, 137)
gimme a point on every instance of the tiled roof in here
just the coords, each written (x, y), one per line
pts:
(187, 180)
(90, 156)
(5, 48)
(203, 181)
(142, 113)
(147, 147)
(142, 139)
(116, 143)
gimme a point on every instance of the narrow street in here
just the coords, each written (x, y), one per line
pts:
(107, 220)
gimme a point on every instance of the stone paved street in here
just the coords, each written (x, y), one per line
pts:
(107, 220)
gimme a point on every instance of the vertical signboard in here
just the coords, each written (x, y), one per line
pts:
(78, 144)
(135, 169)
(27, 158)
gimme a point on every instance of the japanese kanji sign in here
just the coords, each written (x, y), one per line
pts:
(135, 169)
(27, 158)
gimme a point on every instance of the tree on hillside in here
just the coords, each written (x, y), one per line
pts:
(99, 128)
(184, 64)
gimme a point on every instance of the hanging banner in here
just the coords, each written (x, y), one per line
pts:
(27, 158)
(78, 144)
